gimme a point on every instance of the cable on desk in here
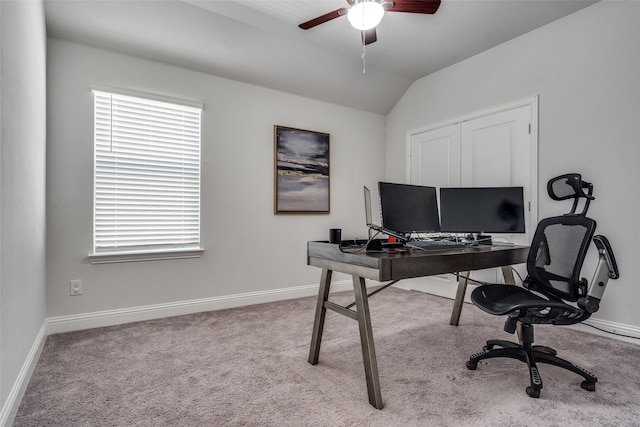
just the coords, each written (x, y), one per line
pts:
(357, 242)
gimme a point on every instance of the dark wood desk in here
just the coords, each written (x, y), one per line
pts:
(384, 267)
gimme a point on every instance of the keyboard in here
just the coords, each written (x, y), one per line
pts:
(435, 244)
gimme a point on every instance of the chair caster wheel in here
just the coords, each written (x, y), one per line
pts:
(588, 386)
(472, 365)
(533, 392)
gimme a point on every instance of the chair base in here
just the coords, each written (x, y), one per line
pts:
(530, 354)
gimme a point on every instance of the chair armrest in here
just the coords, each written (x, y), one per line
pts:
(605, 251)
(606, 269)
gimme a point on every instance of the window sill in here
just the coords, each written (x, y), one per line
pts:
(112, 257)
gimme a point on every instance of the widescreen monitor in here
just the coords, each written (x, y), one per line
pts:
(482, 210)
(407, 208)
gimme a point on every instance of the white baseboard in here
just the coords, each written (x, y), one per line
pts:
(53, 325)
(11, 404)
(605, 328)
(613, 330)
(99, 319)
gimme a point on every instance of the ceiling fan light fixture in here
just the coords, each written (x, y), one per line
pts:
(365, 14)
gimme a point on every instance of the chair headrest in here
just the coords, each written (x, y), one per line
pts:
(571, 186)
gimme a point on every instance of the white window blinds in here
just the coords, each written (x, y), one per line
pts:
(147, 175)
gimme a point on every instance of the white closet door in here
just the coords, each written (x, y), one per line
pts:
(492, 149)
(496, 151)
(434, 160)
(434, 157)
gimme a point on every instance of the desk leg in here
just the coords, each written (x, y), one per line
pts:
(459, 301)
(366, 340)
(321, 311)
(507, 273)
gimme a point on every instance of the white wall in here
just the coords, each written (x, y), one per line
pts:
(22, 191)
(248, 248)
(585, 69)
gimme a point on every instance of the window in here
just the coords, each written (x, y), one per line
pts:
(146, 179)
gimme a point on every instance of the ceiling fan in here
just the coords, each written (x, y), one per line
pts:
(364, 15)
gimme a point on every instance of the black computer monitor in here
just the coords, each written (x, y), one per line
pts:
(409, 208)
(482, 210)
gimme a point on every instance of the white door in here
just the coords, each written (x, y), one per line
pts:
(434, 160)
(434, 157)
(496, 151)
(492, 149)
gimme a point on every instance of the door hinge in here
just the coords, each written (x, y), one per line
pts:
(529, 128)
(529, 206)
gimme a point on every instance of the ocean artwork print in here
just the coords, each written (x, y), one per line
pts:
(302, 171)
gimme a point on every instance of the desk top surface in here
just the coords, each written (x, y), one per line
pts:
(403, 264)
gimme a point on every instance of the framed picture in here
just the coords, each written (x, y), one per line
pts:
(301, 171)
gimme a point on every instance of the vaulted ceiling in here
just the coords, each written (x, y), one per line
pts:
(259, 42)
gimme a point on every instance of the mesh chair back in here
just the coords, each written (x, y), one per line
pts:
(557, 253)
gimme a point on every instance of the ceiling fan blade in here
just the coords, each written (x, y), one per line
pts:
(324, 18)
(369, 36)
(413, 6)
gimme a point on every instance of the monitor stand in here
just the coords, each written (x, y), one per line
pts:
(479, 239)
(401, 237)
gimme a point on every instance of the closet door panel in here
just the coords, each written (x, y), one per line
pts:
(496, 152)
(434, 157)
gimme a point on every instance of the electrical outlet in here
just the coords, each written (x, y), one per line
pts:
(76, 287)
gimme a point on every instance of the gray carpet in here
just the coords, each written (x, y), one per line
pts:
(248, 367)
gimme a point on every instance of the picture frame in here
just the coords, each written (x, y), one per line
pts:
(301, 171)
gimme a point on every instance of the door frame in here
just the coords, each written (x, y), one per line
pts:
(531, 102)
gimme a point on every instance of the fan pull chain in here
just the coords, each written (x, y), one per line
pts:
(364, 59)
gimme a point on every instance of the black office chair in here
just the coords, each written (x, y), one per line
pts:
(553, 291)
